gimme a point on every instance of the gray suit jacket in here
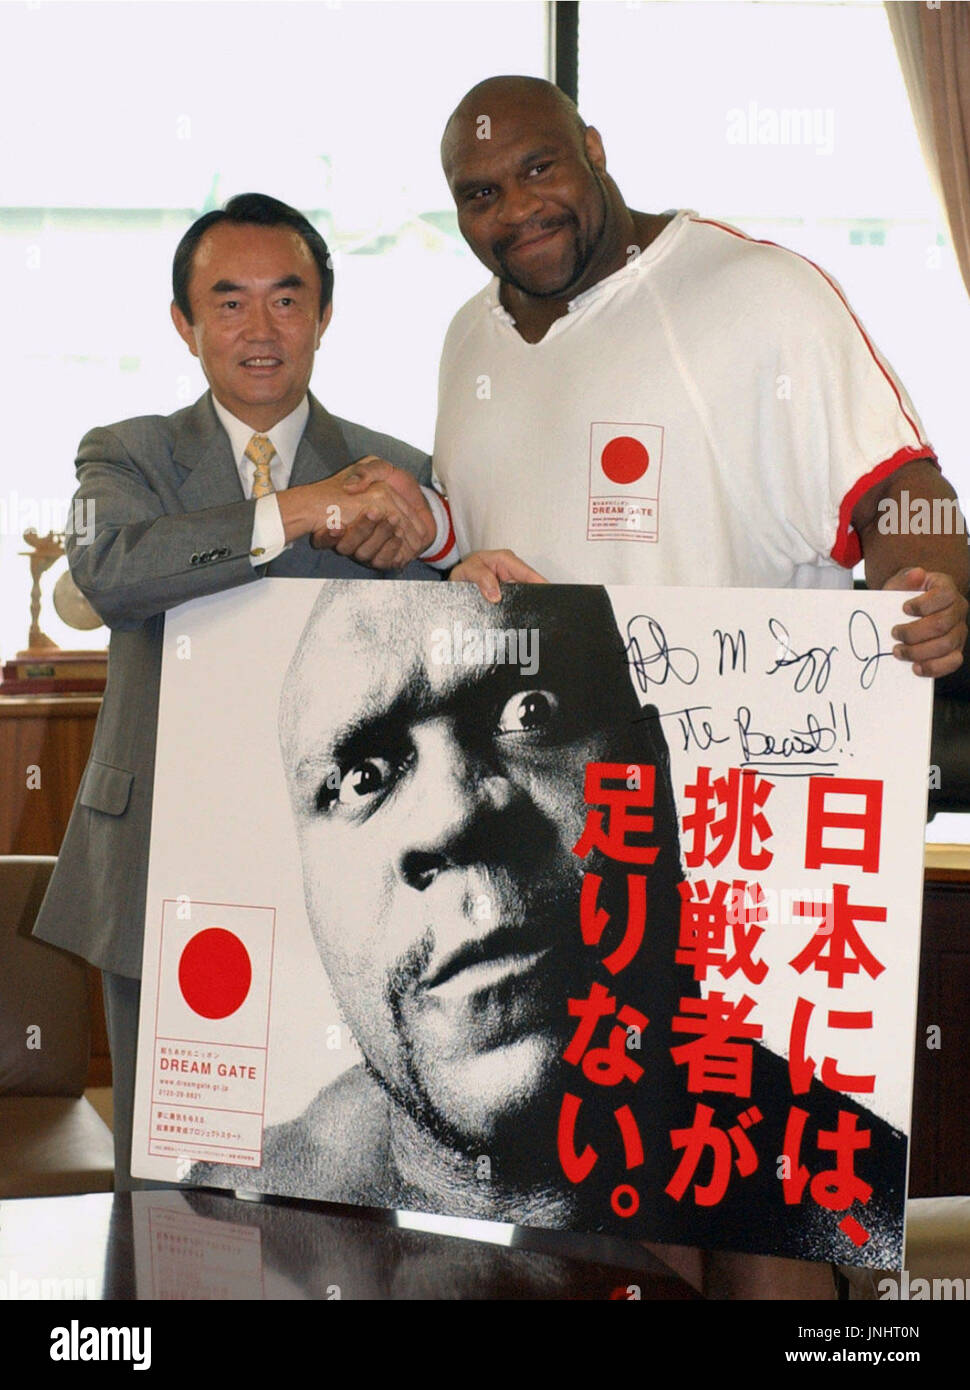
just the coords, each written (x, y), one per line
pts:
(171, 523)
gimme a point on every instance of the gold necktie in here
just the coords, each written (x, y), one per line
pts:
(260, 451)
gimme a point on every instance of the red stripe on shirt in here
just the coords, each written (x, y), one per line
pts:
(831, 283)
(449, 542)
(847, 550)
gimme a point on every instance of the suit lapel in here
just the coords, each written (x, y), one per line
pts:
(322, 450)
(203, 453)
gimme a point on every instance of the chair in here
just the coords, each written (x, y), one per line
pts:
(52, 1141)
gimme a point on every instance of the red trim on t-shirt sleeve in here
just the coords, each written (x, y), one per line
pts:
(449, 543)
(847, 550)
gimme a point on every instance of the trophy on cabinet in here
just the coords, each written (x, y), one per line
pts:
(44, 668)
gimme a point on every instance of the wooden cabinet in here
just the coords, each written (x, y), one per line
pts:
(44, 745)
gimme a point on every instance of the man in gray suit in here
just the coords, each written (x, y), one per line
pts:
(255, 478)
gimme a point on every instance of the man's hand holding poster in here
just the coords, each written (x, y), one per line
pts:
(593, 909)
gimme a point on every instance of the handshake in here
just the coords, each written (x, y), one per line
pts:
(378, 515)
(372, 512)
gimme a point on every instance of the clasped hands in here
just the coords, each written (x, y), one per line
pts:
(371, 512)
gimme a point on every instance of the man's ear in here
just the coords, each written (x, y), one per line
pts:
(594, 149)
(324, 321)
(184, 329)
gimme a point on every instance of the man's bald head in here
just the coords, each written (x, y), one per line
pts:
(534, 200)
(509, 98)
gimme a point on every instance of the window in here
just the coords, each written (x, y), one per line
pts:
(128, 121)
(792, 122)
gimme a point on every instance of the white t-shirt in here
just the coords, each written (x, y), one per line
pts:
(709, 414)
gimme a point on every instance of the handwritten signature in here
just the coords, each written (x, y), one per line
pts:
(821, 734)
(818, 736)
(814, 666)
(652, 660)
(864, 634)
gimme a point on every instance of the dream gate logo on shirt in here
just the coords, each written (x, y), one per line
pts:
(624, 481)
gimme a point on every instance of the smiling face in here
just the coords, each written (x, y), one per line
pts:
(437, 805)
(255, 297)
(532, 199)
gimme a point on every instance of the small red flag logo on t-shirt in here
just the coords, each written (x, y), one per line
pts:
(624, 459)
(624, 481)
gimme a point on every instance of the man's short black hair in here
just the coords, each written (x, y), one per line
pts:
(259, 210)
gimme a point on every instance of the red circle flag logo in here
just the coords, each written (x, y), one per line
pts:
(624, 460)
(215, 973)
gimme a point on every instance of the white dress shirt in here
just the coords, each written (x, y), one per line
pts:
(268, 537)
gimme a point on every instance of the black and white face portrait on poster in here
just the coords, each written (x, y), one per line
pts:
(592, 910)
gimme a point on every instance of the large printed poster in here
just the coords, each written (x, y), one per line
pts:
(596, 909)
